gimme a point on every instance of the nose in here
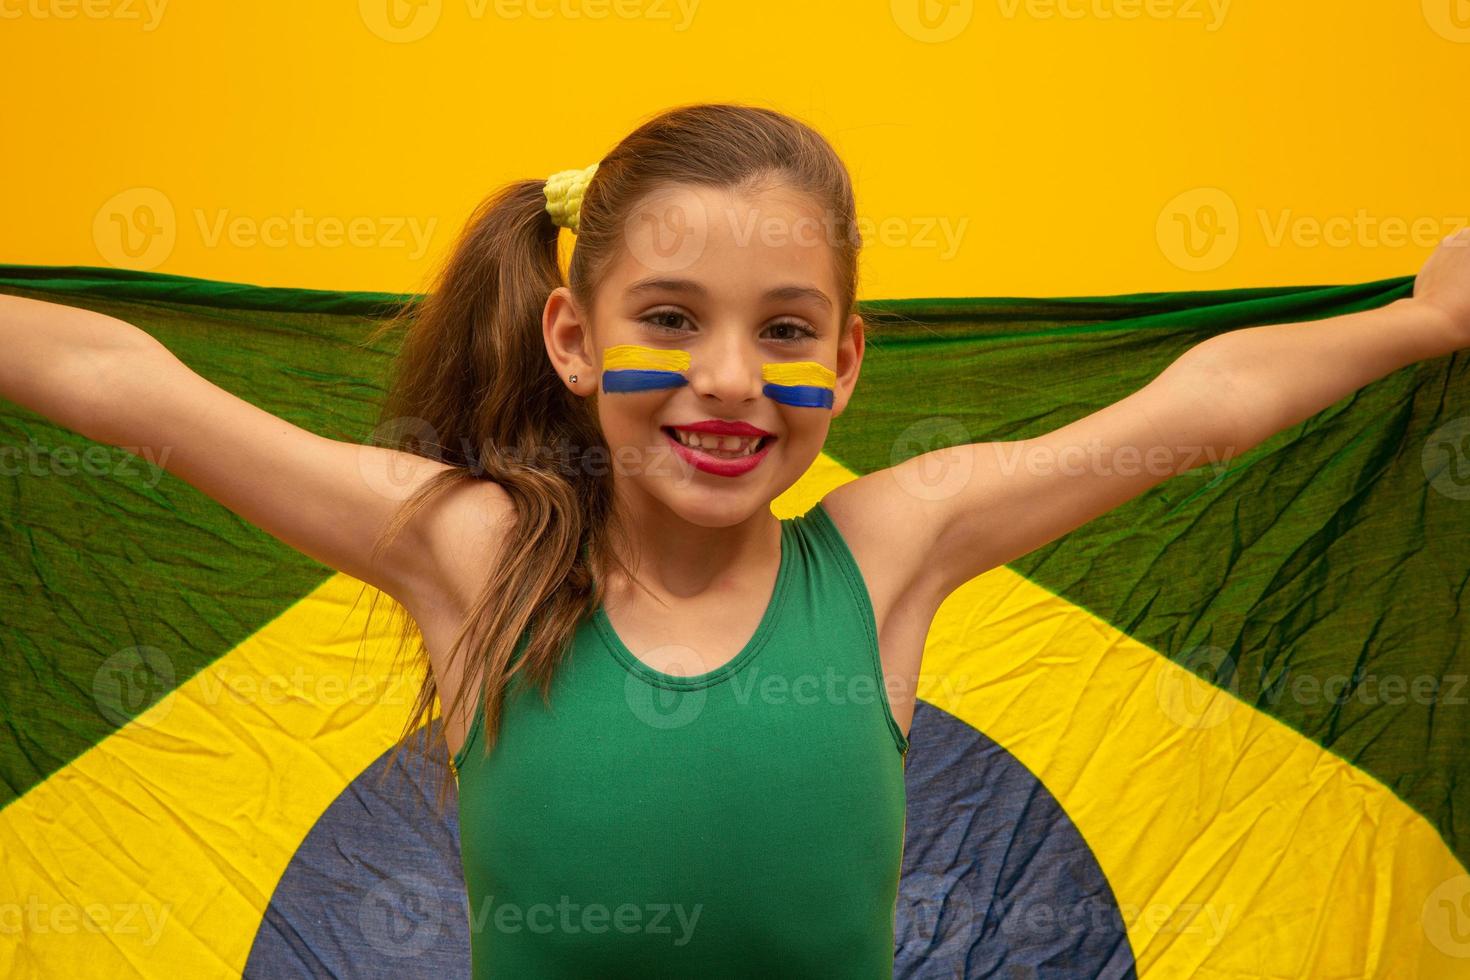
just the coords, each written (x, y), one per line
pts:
(726, 371)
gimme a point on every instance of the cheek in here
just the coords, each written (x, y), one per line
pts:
(629, 419)
(632, 369)
(806, 428)
(804, 385)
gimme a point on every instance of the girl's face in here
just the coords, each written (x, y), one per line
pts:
(717, 309)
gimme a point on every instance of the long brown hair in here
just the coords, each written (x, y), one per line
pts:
(473, 386)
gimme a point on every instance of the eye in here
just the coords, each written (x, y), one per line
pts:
(803, 332)
(659, 320)
(657, 315)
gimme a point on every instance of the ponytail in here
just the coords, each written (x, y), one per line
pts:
(472, 387)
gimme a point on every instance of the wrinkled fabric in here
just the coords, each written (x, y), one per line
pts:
(1216, 732)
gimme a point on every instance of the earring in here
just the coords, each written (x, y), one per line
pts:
(572, 378)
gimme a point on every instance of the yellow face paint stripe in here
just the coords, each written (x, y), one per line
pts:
(631, 357)
(622, 357)
(799, 373)
(1234, 845)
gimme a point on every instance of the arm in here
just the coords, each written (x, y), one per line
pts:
(967, 509)
(113, 383)
(1289, 372)
(1286, 373)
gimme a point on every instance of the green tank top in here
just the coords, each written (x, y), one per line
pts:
(748, 821)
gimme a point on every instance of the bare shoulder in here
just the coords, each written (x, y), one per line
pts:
(888, 533)
(463, 531)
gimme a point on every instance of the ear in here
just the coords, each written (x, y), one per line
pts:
(849, 363)
(568, 338)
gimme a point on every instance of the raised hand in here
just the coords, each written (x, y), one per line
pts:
(1444, 283)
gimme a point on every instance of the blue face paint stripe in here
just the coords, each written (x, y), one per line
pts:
(636, 379)
(802, 396)
(632, 368)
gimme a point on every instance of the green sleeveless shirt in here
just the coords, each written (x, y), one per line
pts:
(744, 822)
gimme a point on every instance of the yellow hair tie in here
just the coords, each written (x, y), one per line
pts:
(564, 190)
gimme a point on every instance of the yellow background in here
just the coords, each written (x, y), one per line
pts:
(1066, 145)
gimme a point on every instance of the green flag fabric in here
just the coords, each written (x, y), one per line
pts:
(1216, 732)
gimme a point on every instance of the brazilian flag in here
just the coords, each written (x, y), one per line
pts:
(1218, 732)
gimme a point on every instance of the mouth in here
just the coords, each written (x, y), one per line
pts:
(710, 453)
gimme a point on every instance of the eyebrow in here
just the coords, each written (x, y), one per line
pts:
(674, 285)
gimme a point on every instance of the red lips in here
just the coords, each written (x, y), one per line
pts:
(736, 466)
(721, 427)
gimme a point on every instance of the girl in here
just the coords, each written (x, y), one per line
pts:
(678, 723)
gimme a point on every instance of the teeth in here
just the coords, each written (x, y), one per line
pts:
(732, 446)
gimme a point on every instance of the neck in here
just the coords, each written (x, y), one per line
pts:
(675, 557)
